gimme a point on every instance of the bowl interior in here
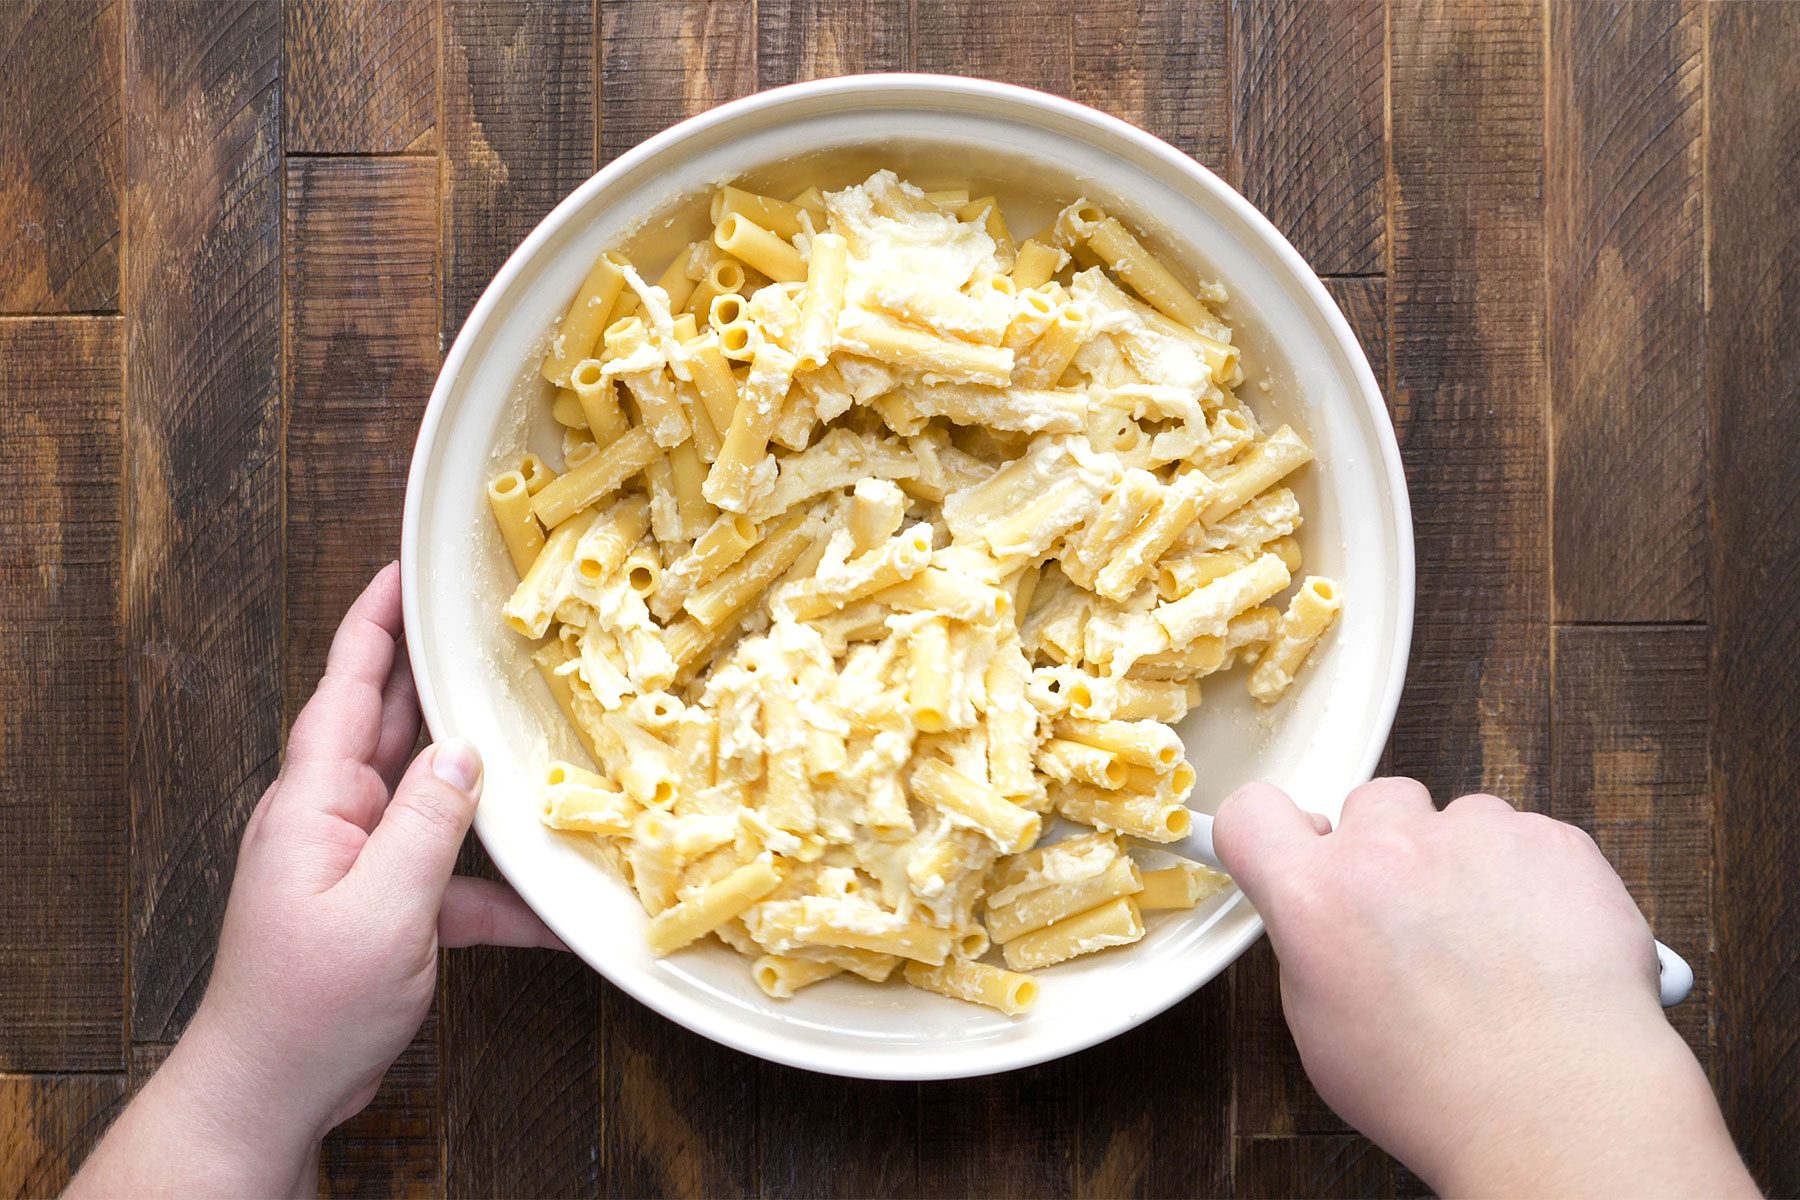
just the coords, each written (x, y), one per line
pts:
(1036, 154)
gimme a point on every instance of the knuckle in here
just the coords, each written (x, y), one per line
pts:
(1406, 784)
(1390, 848)
(1580, 839)
(1537, 824)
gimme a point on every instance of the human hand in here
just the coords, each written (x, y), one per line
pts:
(327, 961)
(1475, 990)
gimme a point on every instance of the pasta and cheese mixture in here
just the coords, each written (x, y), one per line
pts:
(881, 541)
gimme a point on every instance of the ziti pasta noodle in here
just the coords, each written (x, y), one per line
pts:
(882, 551)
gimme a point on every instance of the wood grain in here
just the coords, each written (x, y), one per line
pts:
(362, 328)
(1306, 147)
(1322, 1165)
(61, 156)
(678, 1113)
(665, 60)
(1753, 386)
(1629, 766)
(824, 1136)
(362, 353)
(203, 585)
(361, 76)
(813, 39)
(1468, 392)
(521, 1085)
(518, 85)
(63, 818)
(1127, 1143)
(1027, 42)
(1163, 66)
(1003, 1135)
(1627, 321)
(1364, 303)
(49, 1124)
(519, 1048)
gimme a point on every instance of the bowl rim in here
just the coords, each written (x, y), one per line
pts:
(695, 1016)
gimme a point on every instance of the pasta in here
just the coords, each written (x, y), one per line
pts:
(883, 548)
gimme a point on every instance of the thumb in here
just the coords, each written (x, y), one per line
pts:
(413, 849)
(1257, 827)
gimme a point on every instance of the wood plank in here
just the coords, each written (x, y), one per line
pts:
(1127, 1145)
(1753, 383)
(1627, 318)
(49, 1124)
(362, 330)
(678, 1112)
(361, 76)
(1364, 303)
(1003, 1135)
(203, 583)
(362, 336)
(1307, 139)
(813, 39)
(663, 61)
(1467, 297)
(520, 1054)
(1324, 1165)
(1628, 765)
(1028, 42)
(1163, 66)
(518, 88)
(521, 1084)
(63, 818)
(62, 140)
(821, 1135)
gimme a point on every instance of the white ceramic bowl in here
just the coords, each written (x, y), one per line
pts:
(1038, 152)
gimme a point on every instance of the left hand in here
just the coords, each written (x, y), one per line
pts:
(327, 962)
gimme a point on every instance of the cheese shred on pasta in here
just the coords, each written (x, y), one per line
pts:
(880, 546)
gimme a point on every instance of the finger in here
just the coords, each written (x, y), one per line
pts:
(1256, 828)
(399, 722)
(480, 912)
(1320, 822)
(343, 718)
(412, 851)
(1477, 804)
(363, 647)
(1385, 800)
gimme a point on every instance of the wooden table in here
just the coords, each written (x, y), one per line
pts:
(235, 239)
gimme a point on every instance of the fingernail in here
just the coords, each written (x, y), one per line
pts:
(457, 763)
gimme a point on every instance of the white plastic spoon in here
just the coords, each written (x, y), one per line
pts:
(1677, 977)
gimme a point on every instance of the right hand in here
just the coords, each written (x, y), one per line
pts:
(1475, 990)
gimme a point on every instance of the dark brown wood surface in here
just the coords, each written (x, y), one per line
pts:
(235, 239)
(1753, 395)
